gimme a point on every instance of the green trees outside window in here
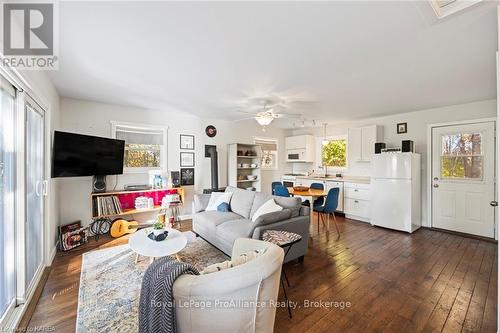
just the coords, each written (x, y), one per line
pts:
(334, 153)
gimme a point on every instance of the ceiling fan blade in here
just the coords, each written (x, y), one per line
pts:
(242, 119)
(246, 112)
(288, 115)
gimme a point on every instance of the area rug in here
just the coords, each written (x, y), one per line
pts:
(110, 284)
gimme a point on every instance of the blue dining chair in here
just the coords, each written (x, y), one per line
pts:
(330, 206)
(281, 191)
(273, 186)
(319, 201)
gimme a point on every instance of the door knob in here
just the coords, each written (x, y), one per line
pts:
(494, 203)
(436, 185)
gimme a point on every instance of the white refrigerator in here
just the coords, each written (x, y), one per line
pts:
(395, 190)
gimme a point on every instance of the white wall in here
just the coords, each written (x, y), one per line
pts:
(417, 131)
(94, 118)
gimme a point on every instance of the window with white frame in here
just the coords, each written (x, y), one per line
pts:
(145, 146)
(269, 148)
(332, 152)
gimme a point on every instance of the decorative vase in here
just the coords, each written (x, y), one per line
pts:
(157, 232)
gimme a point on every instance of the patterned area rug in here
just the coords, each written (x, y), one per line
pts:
(110, 284)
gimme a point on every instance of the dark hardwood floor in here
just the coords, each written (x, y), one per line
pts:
(429, 281)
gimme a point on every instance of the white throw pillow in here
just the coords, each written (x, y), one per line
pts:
(268, 207)
(240, 260)
(216, 198)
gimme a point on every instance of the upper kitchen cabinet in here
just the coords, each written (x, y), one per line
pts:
(300, 148)
(361, 142)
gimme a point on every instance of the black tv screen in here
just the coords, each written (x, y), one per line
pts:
(84, 155)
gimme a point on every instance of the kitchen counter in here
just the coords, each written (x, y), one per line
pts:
(358, 180)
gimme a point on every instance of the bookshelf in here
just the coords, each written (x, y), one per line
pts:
(240, 165)
(126, 200)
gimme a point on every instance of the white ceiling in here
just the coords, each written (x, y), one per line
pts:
(349, 60)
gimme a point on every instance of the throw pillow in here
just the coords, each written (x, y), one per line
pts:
(223, 207)
(268, 207)
(240, 260)
(216, 198)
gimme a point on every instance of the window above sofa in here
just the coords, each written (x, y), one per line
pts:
(145, 146)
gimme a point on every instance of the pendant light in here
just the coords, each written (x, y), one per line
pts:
(325, 141)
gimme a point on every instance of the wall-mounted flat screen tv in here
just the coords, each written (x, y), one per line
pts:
(77, 155)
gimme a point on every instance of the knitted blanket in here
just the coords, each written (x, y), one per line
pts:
(156, 305)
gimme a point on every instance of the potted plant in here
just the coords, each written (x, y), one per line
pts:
(158, 228)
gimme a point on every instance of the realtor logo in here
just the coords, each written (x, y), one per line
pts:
(29, 35)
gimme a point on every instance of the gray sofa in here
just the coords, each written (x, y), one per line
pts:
(221, 229)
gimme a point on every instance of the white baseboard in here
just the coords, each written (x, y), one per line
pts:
(52, 254)
(358, 218)
(186, 217)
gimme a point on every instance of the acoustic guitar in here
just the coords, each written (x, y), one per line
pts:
(122, 227)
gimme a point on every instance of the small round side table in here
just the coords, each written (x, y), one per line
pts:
(285, 240)
(142, 245)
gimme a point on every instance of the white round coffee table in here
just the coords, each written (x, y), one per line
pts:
(144, 246)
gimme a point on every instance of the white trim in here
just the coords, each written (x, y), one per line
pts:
(144, 127)
(428, 179)
(451, 8)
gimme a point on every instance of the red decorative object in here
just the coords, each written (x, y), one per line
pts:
(127, 200)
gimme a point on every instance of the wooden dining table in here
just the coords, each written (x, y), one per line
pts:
(311, 195)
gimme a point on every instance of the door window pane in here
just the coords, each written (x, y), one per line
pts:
(463, 144)
(461, 156)
(462, 167)
(34, 196)
(7, 183)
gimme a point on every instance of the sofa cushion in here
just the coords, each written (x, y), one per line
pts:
(239, 260)
(268, 207)
(292, 203)
(230, 230)
(223, 207)
(215, 218)
(216, 198)
(241, 201)
(273, 217)
(259, 199)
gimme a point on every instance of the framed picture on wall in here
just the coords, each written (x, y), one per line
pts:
(187, 176)
(187, 142)
(187, 159)
(402, 128)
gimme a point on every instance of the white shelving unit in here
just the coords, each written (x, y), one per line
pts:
(239, 165)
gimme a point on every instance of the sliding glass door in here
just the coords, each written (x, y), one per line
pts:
(36, 189)
(7, 208)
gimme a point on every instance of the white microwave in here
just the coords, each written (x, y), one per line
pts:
(299, 155)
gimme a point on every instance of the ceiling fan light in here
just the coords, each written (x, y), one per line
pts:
(264, 120)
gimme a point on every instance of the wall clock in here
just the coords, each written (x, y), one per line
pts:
(211, 131)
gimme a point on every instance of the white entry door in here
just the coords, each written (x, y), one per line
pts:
(463, 178)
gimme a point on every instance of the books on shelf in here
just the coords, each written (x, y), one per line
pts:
(106, 205)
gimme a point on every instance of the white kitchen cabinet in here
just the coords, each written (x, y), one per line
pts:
(361, 142)
(299, 142)
(329, 184)
(357, 201)
(300, 148)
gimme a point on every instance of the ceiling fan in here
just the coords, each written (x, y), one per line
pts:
(266, 110)
(266, 115)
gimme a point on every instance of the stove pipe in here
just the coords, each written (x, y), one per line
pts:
(211, 151)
